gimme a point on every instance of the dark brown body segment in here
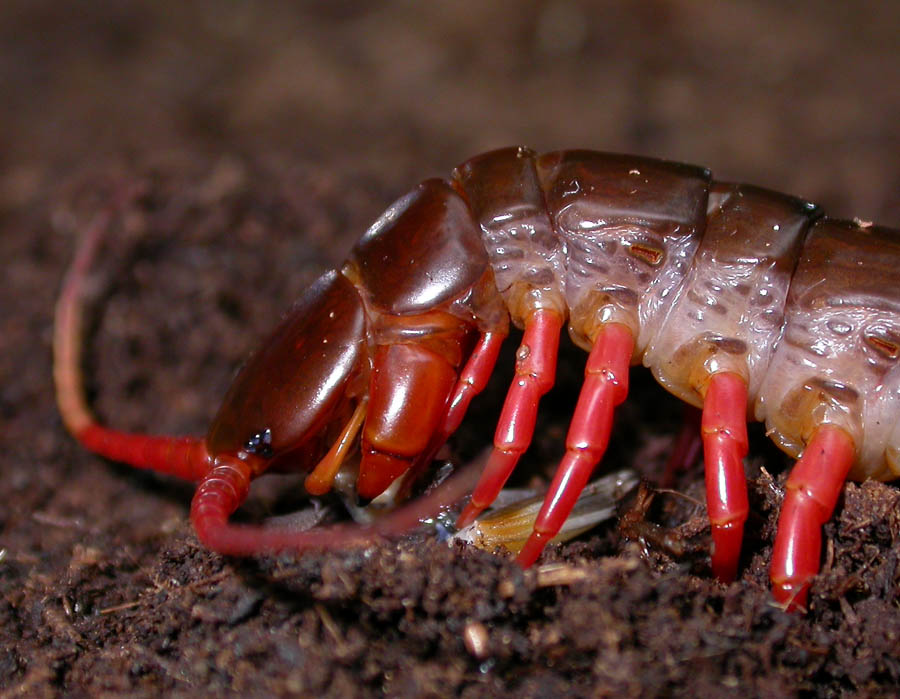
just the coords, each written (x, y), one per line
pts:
(506, 198)
(728, 313)
(423, 273)
(630, 225)
(423, 251)
(616, 188)
(838, 360)
(751, 223)
(833, 257)
(293, 385)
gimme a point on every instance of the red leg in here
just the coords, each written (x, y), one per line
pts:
(535, 372)
(686, 448)
(811, 492)
(605, 386)
(724, 430)
(472, 380)
(321, 478)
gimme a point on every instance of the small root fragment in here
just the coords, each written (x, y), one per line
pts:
(559, 574)
(476, 640)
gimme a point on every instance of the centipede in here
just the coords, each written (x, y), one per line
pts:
(747, 303)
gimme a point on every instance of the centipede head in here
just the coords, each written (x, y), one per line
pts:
(374, 350)
(291, 397)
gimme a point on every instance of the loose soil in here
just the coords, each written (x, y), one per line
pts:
(257, 175)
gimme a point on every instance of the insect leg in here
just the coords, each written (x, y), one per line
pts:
(535, 371)
(321, 479)
(605, 386)
(472, 380)
(724, 430)
(811, 492)
(685, 449)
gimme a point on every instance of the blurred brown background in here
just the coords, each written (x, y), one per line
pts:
(800, 96)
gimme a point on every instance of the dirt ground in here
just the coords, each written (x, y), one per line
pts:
(267, 137)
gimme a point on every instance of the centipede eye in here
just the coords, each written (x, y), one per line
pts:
(260, 444)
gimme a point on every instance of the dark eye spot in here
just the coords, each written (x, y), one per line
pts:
(260, 444)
